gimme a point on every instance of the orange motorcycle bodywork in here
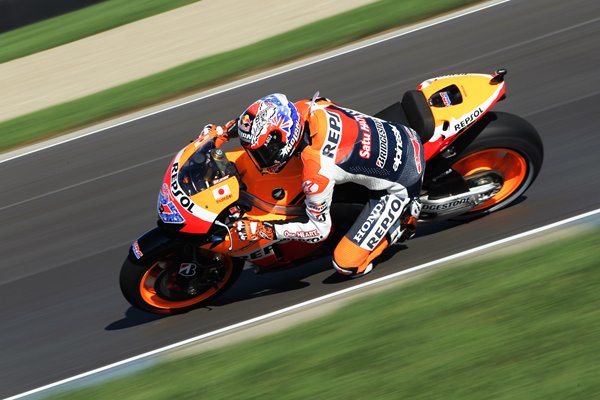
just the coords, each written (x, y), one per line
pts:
(479, 93)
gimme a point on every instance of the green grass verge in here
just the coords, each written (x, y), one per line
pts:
(79, 24)
(524, 326)
(325, 34)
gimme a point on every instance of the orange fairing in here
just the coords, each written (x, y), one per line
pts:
(201, 209)
(219, 196)
(273, 191)
(277, 190)
(477, 95)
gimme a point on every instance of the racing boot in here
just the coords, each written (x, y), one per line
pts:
(352, 260)
(408, 223)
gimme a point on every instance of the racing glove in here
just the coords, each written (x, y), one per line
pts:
(220, 133)
(253, 230)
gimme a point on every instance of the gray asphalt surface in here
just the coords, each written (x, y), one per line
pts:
(69, 213)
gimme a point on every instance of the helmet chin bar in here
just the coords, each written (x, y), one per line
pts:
(266, 169)
(269, 158)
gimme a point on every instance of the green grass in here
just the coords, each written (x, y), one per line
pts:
(325, 34)
(525, 326)
(79, 24)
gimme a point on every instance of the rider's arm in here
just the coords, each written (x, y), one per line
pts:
(313, 227)
(221, 133)
(316, 225)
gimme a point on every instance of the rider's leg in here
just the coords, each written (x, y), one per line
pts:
(377, 226)
(351, 259)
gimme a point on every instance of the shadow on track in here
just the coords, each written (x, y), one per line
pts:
(133, 317)
(252, 285)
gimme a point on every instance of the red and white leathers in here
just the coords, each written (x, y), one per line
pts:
(348, 146)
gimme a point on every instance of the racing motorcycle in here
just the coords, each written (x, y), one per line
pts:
(477, 161)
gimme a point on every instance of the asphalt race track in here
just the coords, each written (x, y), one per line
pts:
(70, 212)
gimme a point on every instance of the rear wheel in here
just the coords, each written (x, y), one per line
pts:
(172, 285)
(508, 154)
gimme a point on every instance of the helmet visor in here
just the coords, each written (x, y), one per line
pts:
(268, 155)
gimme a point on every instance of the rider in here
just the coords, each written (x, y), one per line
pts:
(336, 145)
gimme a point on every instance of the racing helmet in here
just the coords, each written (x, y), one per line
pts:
(270, 131)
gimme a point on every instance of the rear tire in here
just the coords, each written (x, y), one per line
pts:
(166, 286)
(508, 147)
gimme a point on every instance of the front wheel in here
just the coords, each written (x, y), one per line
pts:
(172, 285)
(508, 154)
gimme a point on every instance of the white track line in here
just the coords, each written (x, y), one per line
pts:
(351, 48)
(307, 303)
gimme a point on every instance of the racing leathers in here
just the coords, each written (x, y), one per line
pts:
(343, 146)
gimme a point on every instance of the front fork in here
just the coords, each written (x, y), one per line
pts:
(205, 269)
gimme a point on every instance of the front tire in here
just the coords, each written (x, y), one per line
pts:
(509, 152)
(170, 285)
